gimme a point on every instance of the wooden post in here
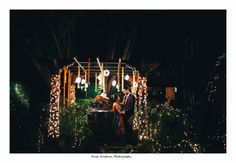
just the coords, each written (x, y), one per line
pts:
(133, 77)
(78, 84)
(133, 88)
(68, 88)
(103, 78)
(118, 75)
(85, 78)
(64, 87)
(89, 63)
(96, 82)
(122, 78)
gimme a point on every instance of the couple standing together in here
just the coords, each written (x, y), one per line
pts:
(122, 113)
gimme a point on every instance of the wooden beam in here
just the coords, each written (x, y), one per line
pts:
(79, 64)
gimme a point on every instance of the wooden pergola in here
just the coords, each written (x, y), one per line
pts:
(101, 74)
(83, 74)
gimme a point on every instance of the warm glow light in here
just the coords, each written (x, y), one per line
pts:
(135, 84)
(100, 82)
(78, 80)
(83, 81)
(106, 72)
(72, 94)
(126, 77)
(99, 77)
(54, 107)
(117, 86)
(114, 83)
(140, 123)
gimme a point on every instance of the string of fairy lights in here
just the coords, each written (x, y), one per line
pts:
(151, 131)
(54, 107)
(72, 94)
(21, 95)
(69, 89)
(155, 129)
(140, 123)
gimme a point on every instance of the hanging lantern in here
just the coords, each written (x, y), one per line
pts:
(83, 81)
(113, 83)
(78, 80)
(117, 86)
(127, 77)
(106, 73)
(135, 84)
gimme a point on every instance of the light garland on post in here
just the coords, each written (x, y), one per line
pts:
(122, 78)
(54, 107)
(145, 91)
(118, 75)
(133, 77)
(85, 78)
(68, 88)
(96, 82)
(103, 78)
(89, 63)
(72, 94)
(140, 122)
(64, 87)
(134, 84)
(78, 84)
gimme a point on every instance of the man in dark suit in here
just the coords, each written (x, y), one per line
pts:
(129, 102)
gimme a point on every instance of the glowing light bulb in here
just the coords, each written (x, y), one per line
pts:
(126, 77)
(83, 81)
(99, 77)
(114, 83)
(106, 72)
(135, 84)
(78, 80)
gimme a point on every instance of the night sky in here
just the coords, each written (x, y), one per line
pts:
(159, 35)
